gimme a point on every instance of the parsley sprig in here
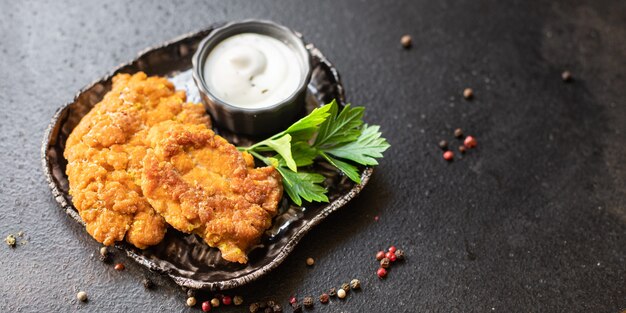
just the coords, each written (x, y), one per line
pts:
(339, 137)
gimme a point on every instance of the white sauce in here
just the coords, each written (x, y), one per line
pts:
(252, 71)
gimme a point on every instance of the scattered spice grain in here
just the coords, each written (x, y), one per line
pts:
(297, 308)
(458, 133)
(119, 267)
(406, 41)
(310, 261)
(104, 251)
(392, 249)
(332, 292)
(324, 298)
(355, 284)
(566, 76)
(227, 300)
(462, 149)
(380, 255)
(345, 287)
(400, 255)
(468, 93)
(384, 263)
(191, 301)
(341, 293)
(81, 296)
(470, 142)
(206, 306)
(191, 293)
(215, 302)
(254, 307)
(443, 145)
(277, 308)
(448, 155)
(237, 300)
(293, 300)
(308, 302)
(10, 240)
(381, 272)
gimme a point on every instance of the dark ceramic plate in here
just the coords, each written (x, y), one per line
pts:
(186, 258)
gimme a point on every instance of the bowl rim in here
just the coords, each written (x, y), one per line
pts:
(250, 26)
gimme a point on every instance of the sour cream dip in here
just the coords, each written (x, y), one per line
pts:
(252, 71)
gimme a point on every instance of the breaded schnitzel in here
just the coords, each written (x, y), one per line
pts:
(105, 153)
(202, 184)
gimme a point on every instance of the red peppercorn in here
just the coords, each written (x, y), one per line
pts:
(206, 306)
(381, 272)
(470, 142)
(380, 255)
(392, 249)
(393, 257)
(448, 155)
(389, 254)
(119, 267)
(227, 300)
(293, 300)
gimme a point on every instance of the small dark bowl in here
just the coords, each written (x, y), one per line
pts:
(253, 121)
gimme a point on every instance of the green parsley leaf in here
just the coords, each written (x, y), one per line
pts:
(350, 170)
(282, 145)
(303, 185)
(340, 128)
(365, 150)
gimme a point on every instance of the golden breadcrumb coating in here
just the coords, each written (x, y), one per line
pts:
(105, 153)
(202, 184)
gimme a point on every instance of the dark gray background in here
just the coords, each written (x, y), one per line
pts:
(533, 220)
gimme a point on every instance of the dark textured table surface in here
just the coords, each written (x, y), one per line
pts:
(532, 220)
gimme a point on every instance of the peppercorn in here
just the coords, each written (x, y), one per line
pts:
(191, 293)
(254, 307)
(406, 41)
(324, 298)
(341, 293)
(443, 145)
(400, 255)
(381, 272)
(227, 300)
(81, 296)
(215, 302)
(448, 155)
(308, 302)
(310, 261)
(458, 133)
(119, 267)
(380, 255)
(105, 258)
(237, 300)
(293, 300)
(297, 308)
(566, 76)
(206, 306)
(332, 292)
(345, 287)
(277, 308)
(384, 263)
(393, 257)
(355, 284)
(147, 283)
(270, 303)
(470, 142)
(191, 301)
(462, 149)
(11, 240)
(468, 93)
(104, 251)
(392, 249)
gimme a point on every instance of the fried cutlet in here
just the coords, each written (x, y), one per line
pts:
(105, 153)
(202, 184)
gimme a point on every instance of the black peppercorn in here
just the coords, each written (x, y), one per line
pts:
(105, 258)
(332, 292)
(384, 263)
(308, 302)
(566, 76)
(462, 150)
(345, 287)
(191, 293)
(271, 303)
(400, 254)
(458, 133)
(254, 308)
(443, 144)
(147, 283)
